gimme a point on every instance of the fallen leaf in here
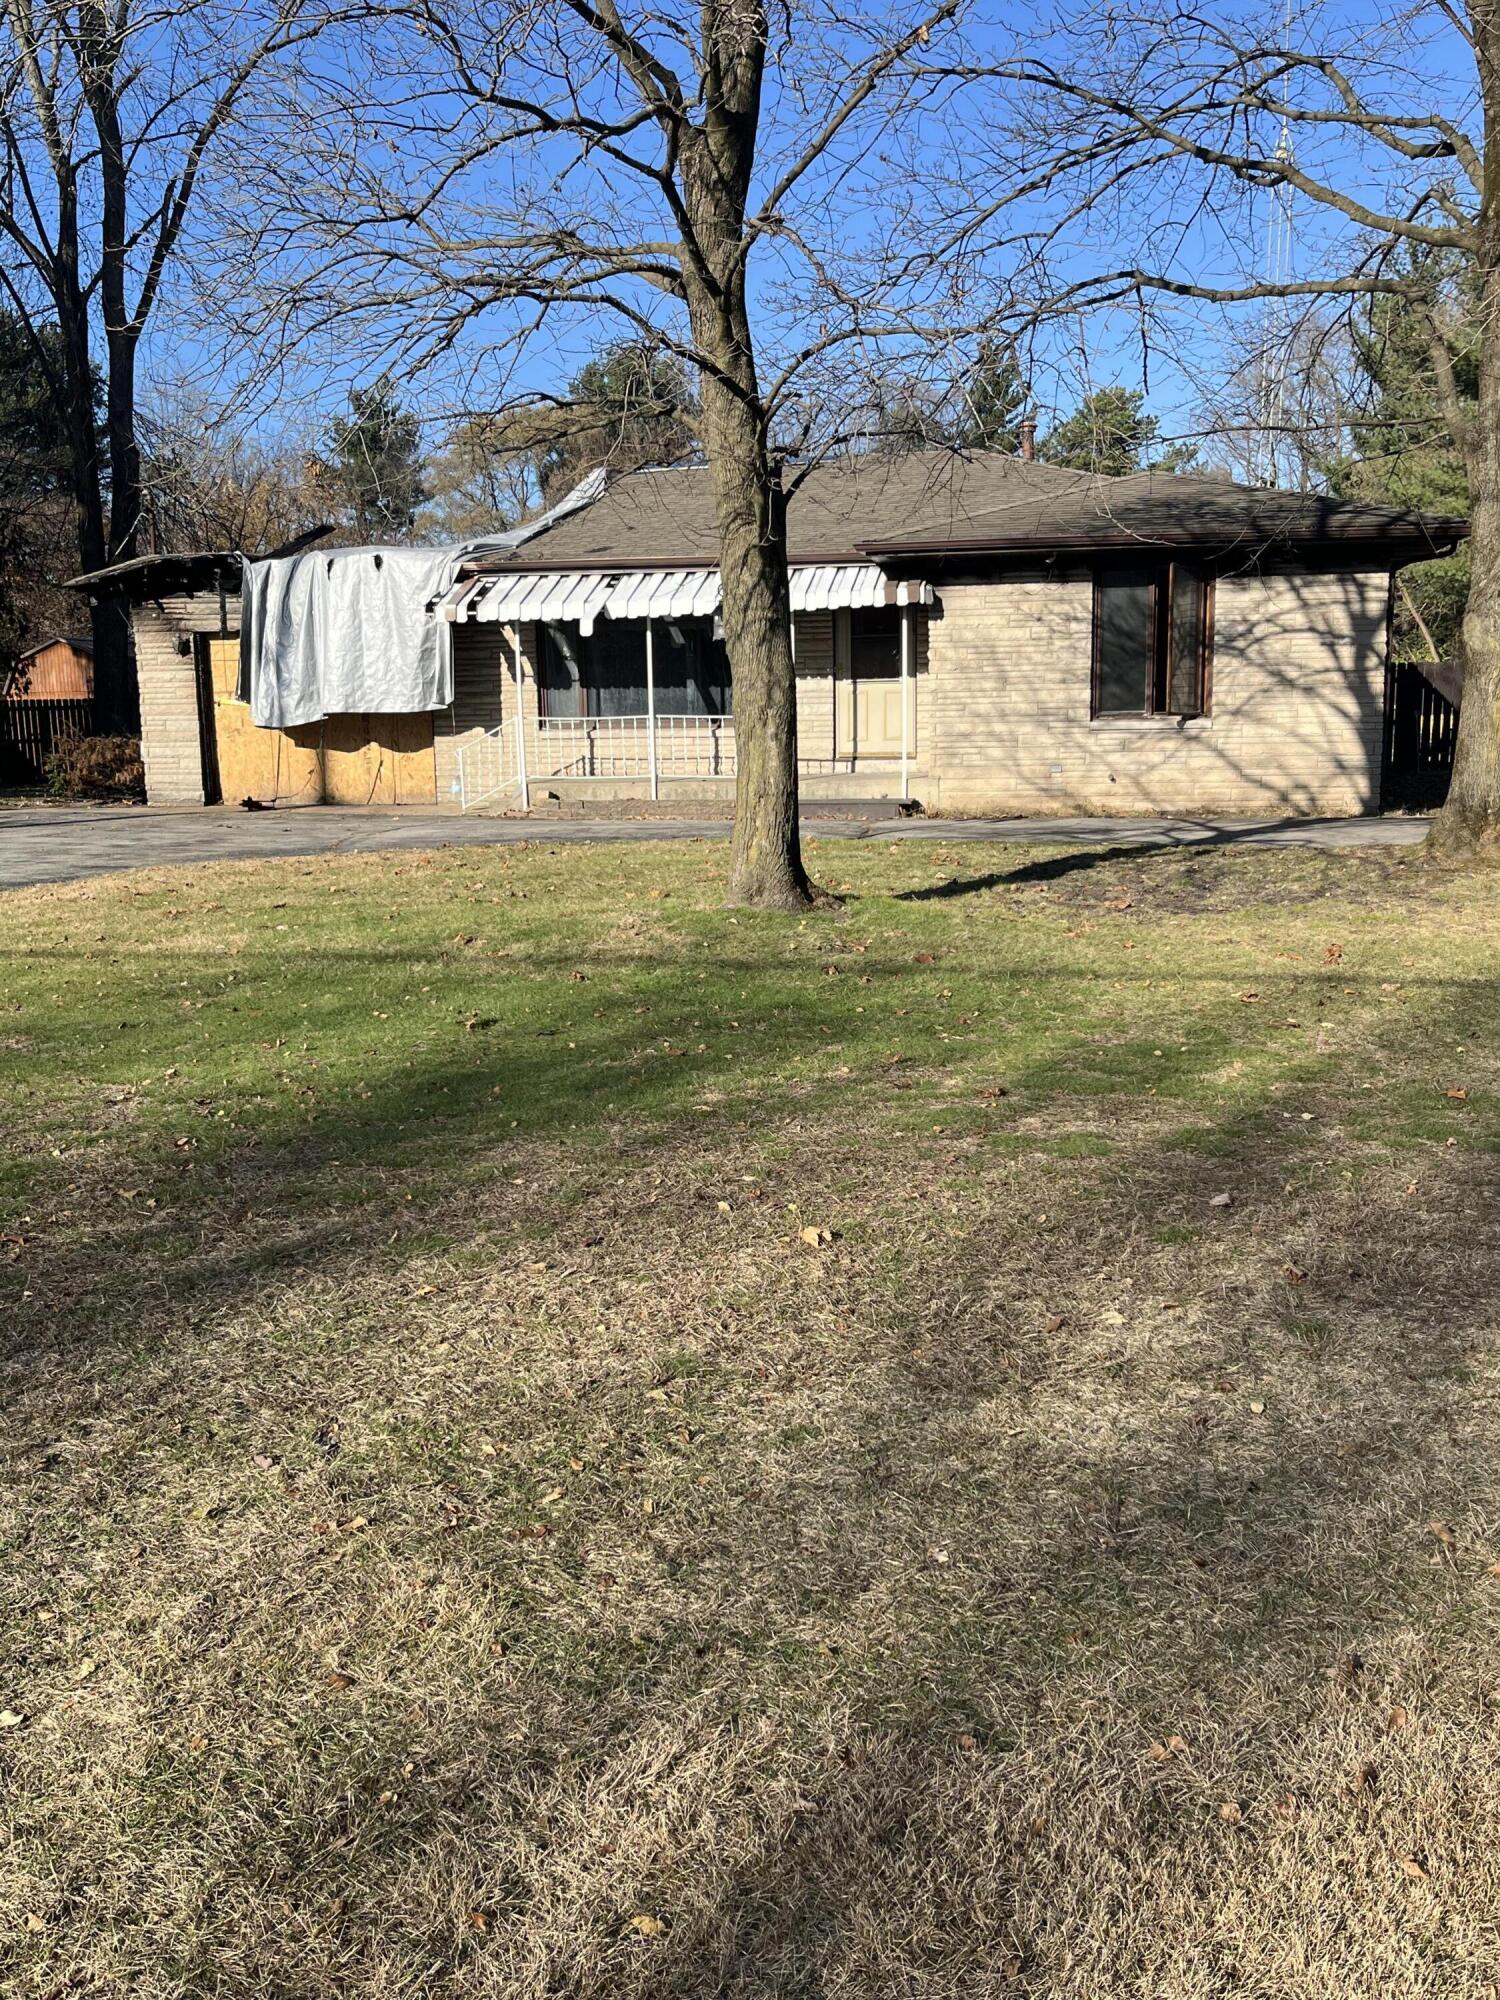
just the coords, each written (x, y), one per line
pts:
(338, 1680)
(1442, 1531)
(1398, 1718)
(645, 1925)
(1417, 1870)
(1220, 1200)
(1230, 1812)
(1460, 1096)
(11, 1718)
(924, 958)
(1257, 1408)
(815, 1238)
(479, 1920)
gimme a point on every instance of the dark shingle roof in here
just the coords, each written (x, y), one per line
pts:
(930, 502)
(1158, 509)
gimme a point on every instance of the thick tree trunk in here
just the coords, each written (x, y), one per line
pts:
(1469, 824)
(765, 866)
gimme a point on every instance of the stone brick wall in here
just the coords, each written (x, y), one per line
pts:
(1296, 706)
(165, 657)
(1002, 698)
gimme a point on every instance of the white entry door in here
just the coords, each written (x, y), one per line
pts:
(869, 685)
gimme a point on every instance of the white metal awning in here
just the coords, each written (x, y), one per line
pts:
(580, 597)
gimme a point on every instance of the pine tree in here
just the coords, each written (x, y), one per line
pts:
(376, 461)
(1110, 433)
(996, 401)
(628, 407)
(36, 502)
(1404, 454)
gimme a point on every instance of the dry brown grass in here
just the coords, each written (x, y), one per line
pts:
(1033, 1589)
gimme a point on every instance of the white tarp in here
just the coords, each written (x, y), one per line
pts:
(344, 632)
(353, 631)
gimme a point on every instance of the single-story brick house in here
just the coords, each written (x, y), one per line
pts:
(975, 631)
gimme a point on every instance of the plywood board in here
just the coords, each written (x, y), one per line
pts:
(347, 760)
(273, 765)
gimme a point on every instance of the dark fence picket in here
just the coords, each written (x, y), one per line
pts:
(30, 729)
(1421, 728)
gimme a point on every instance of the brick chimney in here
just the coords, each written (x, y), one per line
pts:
(1027, 429)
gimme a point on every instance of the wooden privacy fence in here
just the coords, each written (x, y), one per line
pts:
(1421, 728)
(29, 729)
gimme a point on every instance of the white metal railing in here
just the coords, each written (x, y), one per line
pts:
(486, 769)
(507, 763)
(593, 748)
(632, 746)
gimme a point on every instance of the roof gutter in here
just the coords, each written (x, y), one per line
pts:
(1450, 531)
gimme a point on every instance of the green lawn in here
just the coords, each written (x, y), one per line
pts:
(561, 1441)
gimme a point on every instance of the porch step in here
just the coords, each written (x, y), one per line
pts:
(699, 807)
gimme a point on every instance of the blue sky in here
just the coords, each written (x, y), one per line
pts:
(876, 185)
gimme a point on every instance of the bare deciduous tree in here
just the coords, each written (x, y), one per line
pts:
(1170, 128)
(109, 111)
(737, 185)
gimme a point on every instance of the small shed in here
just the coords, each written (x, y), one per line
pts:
(46, 695)
(56, 670)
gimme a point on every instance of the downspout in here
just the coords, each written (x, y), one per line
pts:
(651, 707)
(521, 778)
(905, 701)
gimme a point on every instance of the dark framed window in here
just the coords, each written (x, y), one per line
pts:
(1153, 640)
(605, 673)
(875, 644)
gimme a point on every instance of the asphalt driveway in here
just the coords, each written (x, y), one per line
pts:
(65, 843)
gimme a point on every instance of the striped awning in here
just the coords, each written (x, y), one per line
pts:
(580, 597)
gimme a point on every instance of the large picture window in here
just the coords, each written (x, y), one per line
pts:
(1153, 630)
(605, 674)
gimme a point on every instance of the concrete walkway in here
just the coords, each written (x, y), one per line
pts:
(64, 843)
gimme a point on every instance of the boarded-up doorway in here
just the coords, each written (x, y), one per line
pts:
(347, 760)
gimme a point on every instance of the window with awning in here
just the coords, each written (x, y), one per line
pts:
(603, 672)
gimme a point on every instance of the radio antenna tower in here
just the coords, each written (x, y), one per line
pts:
(1276, 327)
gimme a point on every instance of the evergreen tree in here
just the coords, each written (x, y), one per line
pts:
(1404, 454)
(1110, 433)
(628, 407)
(376, 461)
(36, 504)
(995, 401)
(905, 418)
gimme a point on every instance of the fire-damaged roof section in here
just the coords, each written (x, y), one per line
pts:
(161, 576)
(938, 502)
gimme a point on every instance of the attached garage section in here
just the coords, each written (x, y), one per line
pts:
(346, 760)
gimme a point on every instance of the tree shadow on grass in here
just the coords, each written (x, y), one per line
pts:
(1203, 838)
(873, 1714)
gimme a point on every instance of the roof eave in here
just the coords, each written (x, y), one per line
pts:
(1436, 538)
